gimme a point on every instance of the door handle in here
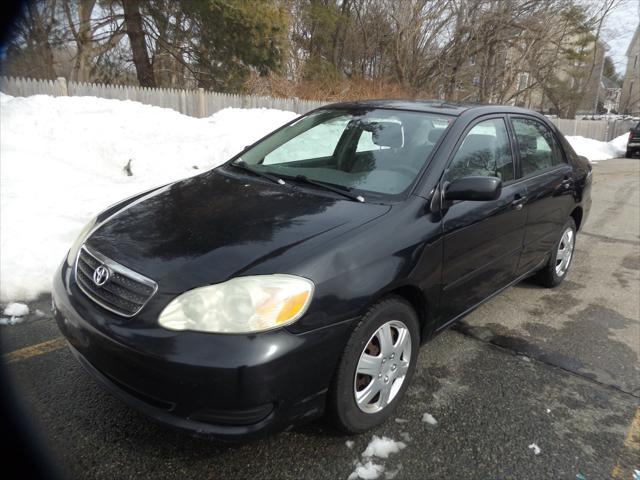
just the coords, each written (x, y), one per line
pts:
(518, 202)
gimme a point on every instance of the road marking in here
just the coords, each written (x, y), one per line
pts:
(34, 350)
(630, 451)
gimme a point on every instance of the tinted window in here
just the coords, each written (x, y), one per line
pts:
(485, 151)
(537, 146)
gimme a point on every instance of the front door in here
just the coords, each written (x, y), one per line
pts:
(482, 239)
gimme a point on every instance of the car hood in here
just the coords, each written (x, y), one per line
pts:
(209, 228)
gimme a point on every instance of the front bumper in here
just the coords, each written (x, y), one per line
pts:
(226, 386)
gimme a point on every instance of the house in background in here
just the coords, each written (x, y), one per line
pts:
(610, 95)
(630, 95)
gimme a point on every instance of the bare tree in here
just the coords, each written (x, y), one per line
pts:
(94, 33)
(135, 32)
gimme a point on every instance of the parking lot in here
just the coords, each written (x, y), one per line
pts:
(555, 368)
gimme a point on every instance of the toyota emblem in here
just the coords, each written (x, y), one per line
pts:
(101, 275)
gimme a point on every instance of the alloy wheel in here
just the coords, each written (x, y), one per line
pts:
(565, 252)
(382, 367)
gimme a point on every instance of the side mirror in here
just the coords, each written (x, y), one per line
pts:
(474, 188)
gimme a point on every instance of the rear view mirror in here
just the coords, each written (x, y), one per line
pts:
(387, 134)
(474, 188)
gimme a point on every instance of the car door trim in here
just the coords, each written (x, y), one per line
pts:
(491, 295)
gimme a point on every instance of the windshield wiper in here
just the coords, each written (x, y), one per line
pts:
(241, 164)
(339, 191)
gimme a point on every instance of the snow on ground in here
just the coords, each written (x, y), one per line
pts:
(380, 447)
(366, 471)
(536, 449)
(16, 310)
(428, 418)
(595, 150)
(63, 159)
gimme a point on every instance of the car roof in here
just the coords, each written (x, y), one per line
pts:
(431, 106)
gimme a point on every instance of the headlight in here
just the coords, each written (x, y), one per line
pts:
(73, 252)
(240, 305)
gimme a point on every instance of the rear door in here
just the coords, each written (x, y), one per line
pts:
(548, 179)
(482, 239)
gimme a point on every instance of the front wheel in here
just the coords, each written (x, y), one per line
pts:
(556, 269)
(376, 366)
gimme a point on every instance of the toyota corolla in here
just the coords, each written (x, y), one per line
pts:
(303, 275)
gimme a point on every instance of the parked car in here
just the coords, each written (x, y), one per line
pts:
(633, 143)
(303, 275)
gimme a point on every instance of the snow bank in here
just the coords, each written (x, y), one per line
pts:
(63, 160)
(595, 150)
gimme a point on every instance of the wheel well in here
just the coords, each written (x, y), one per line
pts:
(414, 296)
(577, 216)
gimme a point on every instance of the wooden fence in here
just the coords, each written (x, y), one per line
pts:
(195, 103)
(201, 103)
(603, 130)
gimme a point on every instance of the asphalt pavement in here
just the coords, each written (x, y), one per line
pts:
(556, 368)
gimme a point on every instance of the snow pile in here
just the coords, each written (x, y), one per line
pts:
(64, 159)
(380, 447)
(595, 150)
(16, 313)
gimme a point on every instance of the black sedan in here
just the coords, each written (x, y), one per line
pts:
(303, 275)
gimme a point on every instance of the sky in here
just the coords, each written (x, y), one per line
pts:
(618, 31)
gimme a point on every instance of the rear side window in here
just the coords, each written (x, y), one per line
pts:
(538, 148)
(485, 151)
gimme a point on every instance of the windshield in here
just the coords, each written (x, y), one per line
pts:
(372, 150)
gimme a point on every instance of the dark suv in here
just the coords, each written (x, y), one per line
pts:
(633, 143)
(303, 275)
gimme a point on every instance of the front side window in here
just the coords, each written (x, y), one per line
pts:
(372, 150)
(485, 151)
(537, 146)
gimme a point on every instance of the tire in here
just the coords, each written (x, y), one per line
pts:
(552, 274)
(395, 366)
(628, 154)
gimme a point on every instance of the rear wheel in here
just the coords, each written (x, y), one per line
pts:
(376, 366)
(556, 269)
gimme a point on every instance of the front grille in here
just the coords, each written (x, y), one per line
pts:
(125, 292)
